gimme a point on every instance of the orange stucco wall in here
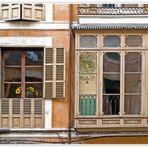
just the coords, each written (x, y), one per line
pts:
(61, 12)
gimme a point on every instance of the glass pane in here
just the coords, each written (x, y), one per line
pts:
(111, 104)
(132, 83)
(111, 41)
(111, 83)
(133, 62)
(88, 62)
(34, 57)
(88, 41)
(132, 104)
(12, 90)
(111, 62)
(34, 74)
(12, 74)
(33, 90)
(133, 41)
(12, 57)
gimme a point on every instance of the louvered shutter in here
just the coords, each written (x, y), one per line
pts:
(33, 12)
(10, 11)
(54, 73)
(60, 75)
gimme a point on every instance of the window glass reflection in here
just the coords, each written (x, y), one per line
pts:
(111, 62)
(132, 104)
(33, 90)
(111, 104)
(111, 83)
(34, 74)
(133, 62)
(12, 57)
(12, 90)
(132, 83)
(12, 74)
(34, 57)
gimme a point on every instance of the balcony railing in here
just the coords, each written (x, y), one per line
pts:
(113, 11)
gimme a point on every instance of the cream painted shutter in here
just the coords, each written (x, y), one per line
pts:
(54, 73)
(10, 11)
(60, 73)
(33, 12)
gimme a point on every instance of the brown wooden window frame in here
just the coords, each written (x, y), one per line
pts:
(23, 68)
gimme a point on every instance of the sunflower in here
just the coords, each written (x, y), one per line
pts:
(18, 90)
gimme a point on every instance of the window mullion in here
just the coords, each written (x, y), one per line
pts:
(23, 74)
(122, 73)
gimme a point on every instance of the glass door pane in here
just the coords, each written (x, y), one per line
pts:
(133, 81)
(111, 83)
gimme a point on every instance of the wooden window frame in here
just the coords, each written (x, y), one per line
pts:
(100, 45)
(100, 81)
(23, 66)
(17, 117)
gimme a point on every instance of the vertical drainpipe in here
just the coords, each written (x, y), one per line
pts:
(69, 80)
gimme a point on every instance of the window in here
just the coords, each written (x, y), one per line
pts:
(29, 76)
(22, 101)
(23, 73)
(111, 41)
(117, 79)
(88, 41)
(133, 41)
(16, 11)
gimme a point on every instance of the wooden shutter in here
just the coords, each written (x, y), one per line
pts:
(33, 12)
(54, 73)
(10, 11)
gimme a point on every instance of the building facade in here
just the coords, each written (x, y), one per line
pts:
(73, 73)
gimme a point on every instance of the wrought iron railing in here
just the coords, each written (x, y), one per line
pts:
(113, 11)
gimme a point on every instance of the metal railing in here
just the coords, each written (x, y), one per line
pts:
(113, 11)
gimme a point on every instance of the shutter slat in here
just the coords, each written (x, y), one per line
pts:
(59, 90)
(16, 106)
(49, 72)
(5, 106)
(27, 106)
(60, 72)
(38, 106)
(60, 55)
(49, 55)
(48, 90)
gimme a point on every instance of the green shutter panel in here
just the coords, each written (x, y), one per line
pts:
(54, 73)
